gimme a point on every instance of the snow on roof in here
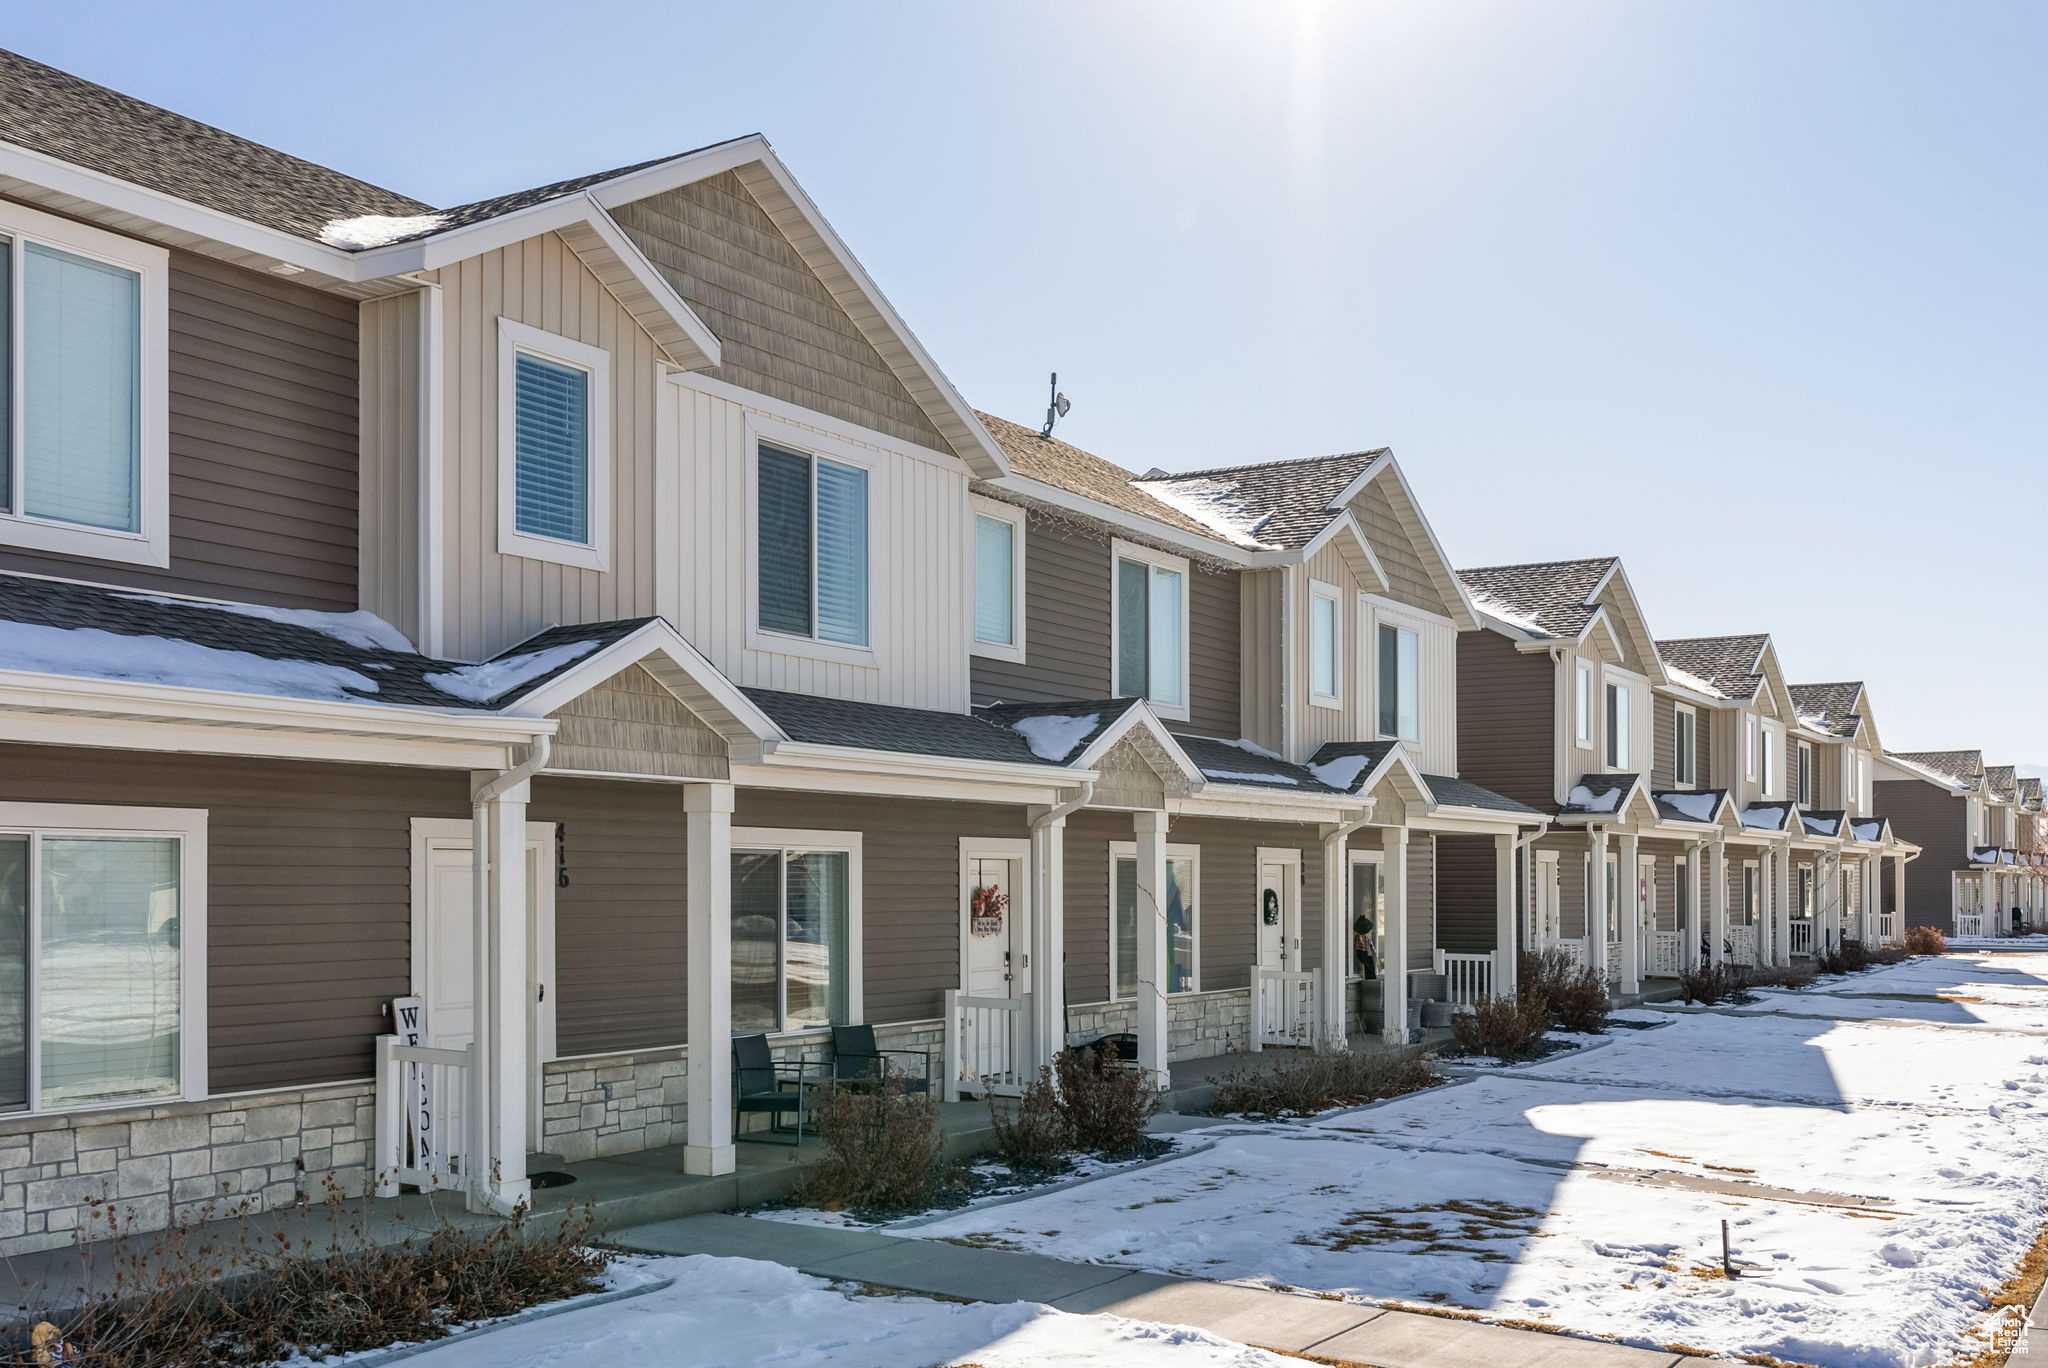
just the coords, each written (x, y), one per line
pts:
(1342, 771)
(377, 230)
(1697, 807)
(95, 654)
(480, 683)
(361, 628)
(1586, 800)
(1246, 777)
(1053, 736)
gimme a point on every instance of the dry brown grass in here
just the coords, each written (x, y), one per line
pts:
(2013, 1299)
(1925, 940)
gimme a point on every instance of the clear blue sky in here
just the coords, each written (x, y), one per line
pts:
(1748, 292)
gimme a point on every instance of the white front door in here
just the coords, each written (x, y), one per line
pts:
(998, 951)
(444, 943)
(1549, 926)
(1279, 933)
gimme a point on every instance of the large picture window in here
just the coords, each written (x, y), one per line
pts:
(1151, 628)
(792, 939)
(96, 983)
(1182, 969)
(812, 547)
(1400, 683)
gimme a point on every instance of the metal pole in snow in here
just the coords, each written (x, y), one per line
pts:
(1727, 1262)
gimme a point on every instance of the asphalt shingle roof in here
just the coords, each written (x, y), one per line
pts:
(1550, 598)
(1769, 816)
(1731, 665)
(1600, 791)
(1331, 758)
(1274, 503)
(1964, 767)
(1684, 805)
(880, 726)
(2030, 794)
(1065, 466)
(1223, 763)
(1829, 708)
(2002, 782)
(1463, 793)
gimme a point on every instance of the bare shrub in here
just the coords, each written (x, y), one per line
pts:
(1031, 1133)
(1506, 1027)
(1316, 1082)
(1855, 956)
(1542, 975)
(1105, 1105)
(1925, 940)
(1572, 995)
(1794, 977)
(235, 1293)
(882, 1152)
(1708, 984)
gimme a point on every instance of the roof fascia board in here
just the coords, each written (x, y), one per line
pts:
(1070, 502)
(787, 412)
(696, 346)
(1337, 527)
(798, 776)
(1646, 641)
(1249, 805)
(774, 754)
(1140, 715)
(652, 640)
(1453, 817)
(1438, 563)
(305, 743)
(1693, 696)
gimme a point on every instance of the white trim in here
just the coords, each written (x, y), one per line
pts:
(981, 506)
(1381, 603)
(1327, 593)
(1771, 759)
(1128, 850)
(803, 841)
(814, 422)
(1017, 852)
(1691, 753)
(188, 826)
(150, 543)
(1120, 550)
(1290, 915)
(1206, 545)
(595, 362)
(1585, 704)
(433, 464)
(1397, 618)
(803, 441)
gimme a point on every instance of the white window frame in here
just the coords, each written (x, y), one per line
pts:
(514, 338)
(188, 827)
(1131, 551)
(1128, 850)
(1319, 592)
(1685, 759)
(1750, 727)
(1752, 892)
(1016, 649)
(1770, 756)
(798, 841)
(1585, 698)
(151, 543)
(1546, 900)
(1416, 627)
(1617, 737)
(802, 441)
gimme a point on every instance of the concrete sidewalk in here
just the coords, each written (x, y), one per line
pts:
(1342, 1332)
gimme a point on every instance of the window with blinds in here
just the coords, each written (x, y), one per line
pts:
(1151, 652)
(995, 584)
(811, 570)
(551, 449)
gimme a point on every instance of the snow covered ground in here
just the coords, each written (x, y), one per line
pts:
(742, 1313)
(1878, 1177)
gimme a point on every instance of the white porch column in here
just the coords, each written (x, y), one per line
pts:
(1394, 937)
(1717, 903)
(707, 820)
(1505, 948)
(1899, 895)
(1873, 898)
(1336, 946)
(1629, 887)
(1692, 932)
(1149, 831)
(1781, 905)
(497, 1150)
(1048, 938)
(1597, 911)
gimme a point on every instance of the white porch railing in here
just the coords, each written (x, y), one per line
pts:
(422, 1098)
(1285, 1000)
(1969, 923)
(1574, 947)
(1887, 927)
(987, 1046)
(1742, 944)
(1801, 940)
(1467, 977)
(1667, 953)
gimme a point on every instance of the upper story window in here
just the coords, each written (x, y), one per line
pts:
(1685, 745)
(1749, 733)
(1772, 781)
(1150, 628)
(998, 580)
(812, 547)
(1400, 682)
(1583, 701)
(84, 363)
(1805, 774)
(1859, 790)
(1619, 753)
(554, 447)
(1325, 637)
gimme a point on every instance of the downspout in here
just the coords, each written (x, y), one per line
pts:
(1082, 796)
(536, 760)
(481, 795)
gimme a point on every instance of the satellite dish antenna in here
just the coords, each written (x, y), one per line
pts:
(1056, 409)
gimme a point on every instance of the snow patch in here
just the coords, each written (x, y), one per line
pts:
(481, 683)
(1340, 773)
(1763, 819)
(376, 230)
(1686, 679)
(1697, 806)
(361, 629)
(91, 653)
(1586, 800)
(1254, 748)
(1053, 738)
(1245, 777)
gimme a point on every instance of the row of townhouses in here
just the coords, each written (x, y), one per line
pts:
(532, 643)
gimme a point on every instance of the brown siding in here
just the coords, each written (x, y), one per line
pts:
(910, 888)
(1465, 919)
(1421, 900)
(1664, 742)
(1507, 718)
(1215, 644)
(782, 332)
(262, 445)
(1936, 822)
(1407, 581)
(1066, 621)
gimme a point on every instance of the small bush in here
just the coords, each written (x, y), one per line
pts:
(1888, 954)
(1543, 975)
(882, 1152)
(1569, 993)
(1792, 977)
(1506, 1027)
(1031, 1132)
(1105, 1106)
(1707, 984)
(1311, 1083)
(1925, 940)
(1856, 955)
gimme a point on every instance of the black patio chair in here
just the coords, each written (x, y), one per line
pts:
(758, 1085)
(858, 1063)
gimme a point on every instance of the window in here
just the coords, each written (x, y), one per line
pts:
(1324, 645)
(794, 924)
(1151, 626)
(1685, 746)
(1767, 751)
(84, 457)
(1182, 966)
(1805, 778)
(1804, 907)
(1682, 887)
(1584, 701)
(1752, 892)
(1749, 748)
(1617, 726)
(998, 580)
(1400, 683)
(812, 547)
(554, 447)
(1368, 897)
(101, 957)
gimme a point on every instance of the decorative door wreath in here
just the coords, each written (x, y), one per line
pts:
(1271, 914)
(985, 910)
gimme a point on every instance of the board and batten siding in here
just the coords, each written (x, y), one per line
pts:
(1357, 717)
(920, 563)
(1507, 718)
(780, 329)
(262, 429)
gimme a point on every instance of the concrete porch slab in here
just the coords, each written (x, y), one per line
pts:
(937, 1268)
(742, 1237)
(1402, 1339)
